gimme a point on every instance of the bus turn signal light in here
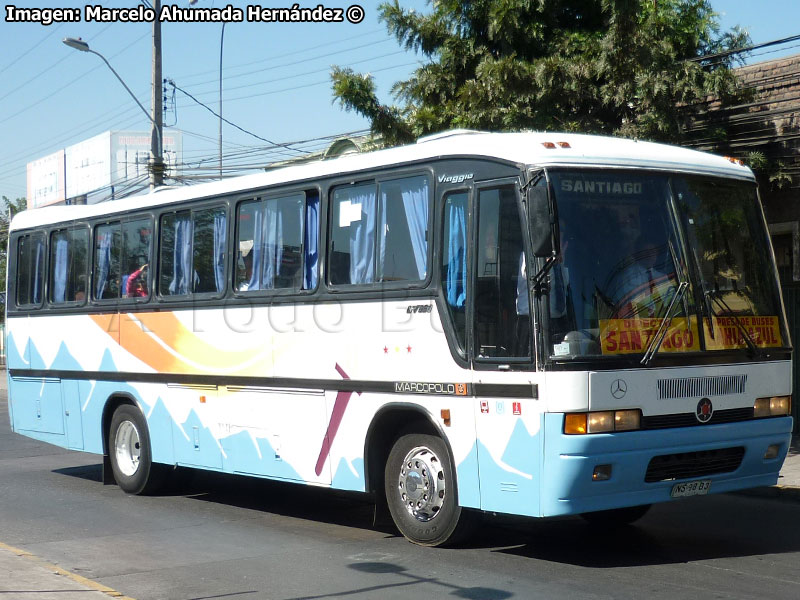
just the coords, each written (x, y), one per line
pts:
(602, 421)
(575, 423)
(776, 406)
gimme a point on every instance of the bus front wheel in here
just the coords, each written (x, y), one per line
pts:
(420, 490)
(129, 451)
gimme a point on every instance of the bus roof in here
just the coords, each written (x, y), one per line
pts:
(529, 149)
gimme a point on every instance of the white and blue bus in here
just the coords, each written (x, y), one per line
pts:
(531, 323)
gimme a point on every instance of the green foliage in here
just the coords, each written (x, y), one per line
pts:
(619, 67)
(771, 172)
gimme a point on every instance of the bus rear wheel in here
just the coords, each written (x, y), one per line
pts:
(420, 490)
(130, 454)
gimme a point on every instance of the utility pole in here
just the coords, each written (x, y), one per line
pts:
(157, 129)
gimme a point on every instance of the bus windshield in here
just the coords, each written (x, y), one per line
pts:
(642, 252)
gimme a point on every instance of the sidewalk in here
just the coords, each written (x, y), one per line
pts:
(23, 575)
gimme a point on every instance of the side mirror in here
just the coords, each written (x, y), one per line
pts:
(541, 223)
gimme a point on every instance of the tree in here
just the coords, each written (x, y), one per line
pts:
(9, 208)
(620, 67)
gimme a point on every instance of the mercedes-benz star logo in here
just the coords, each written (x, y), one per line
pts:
(619, 388)
(705, 410)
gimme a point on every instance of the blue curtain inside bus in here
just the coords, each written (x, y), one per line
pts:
(220, 239)
(362, 238)
(38, 272)
(60, 269)
(310, 241)
(457, 253)
(268, 242)
(182, 258)
(415, 203)
(103, 262)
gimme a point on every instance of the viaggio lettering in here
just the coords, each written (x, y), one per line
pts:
(460, 178)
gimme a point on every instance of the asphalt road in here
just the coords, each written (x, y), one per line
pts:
(225, 537)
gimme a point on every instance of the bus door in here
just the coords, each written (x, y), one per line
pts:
(508, 416)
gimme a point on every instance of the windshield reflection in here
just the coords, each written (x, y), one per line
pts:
(628, 242)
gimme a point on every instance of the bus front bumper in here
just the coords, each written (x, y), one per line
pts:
(681, 455)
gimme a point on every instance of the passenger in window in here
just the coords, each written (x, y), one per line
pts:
(136, 286)
(247, 261)
(80, 289)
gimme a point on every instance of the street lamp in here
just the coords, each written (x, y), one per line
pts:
(221, 40)
(156, 174)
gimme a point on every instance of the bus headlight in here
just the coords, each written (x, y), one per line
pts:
(772, 407)
(627, 420)
(602, 421)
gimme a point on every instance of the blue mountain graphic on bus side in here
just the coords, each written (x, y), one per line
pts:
(159, 425)
(507, 491)
(64, 361)
(242, 447)
(107, 363)
(344, 479)
(14, 359)
(522, 449)
(37, 362)
(201, 448)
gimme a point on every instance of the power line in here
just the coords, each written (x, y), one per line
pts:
(276, 56)
(213, 112)
(745, 49)
(298, 62)
(32, 48)
(72, 82)
(296, 75)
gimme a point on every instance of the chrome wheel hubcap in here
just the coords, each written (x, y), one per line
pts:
(422, 484)
(127, 448)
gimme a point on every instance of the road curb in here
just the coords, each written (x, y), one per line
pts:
(89, 584)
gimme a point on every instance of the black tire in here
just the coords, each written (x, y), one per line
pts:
(420, 488)
(129, 451)
(617, 517)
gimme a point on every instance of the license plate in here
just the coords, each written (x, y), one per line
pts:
(691, 488)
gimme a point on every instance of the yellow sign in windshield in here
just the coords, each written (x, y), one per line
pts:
(629, 336)
(764, 331)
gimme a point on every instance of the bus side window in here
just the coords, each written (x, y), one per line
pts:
(107, 250)
(192, 252)
(502, 319)
(454, 262)
(354, 216)
(136, 258)
(380, 237)
(30, 269)
(208, 250)
(69, 258)
(403, 231)
(176, 253)
(269, 242)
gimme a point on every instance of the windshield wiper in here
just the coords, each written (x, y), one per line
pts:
(751, 345)
(658, 338)
(709, 310)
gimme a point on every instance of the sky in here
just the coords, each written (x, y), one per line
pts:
(276, 78)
